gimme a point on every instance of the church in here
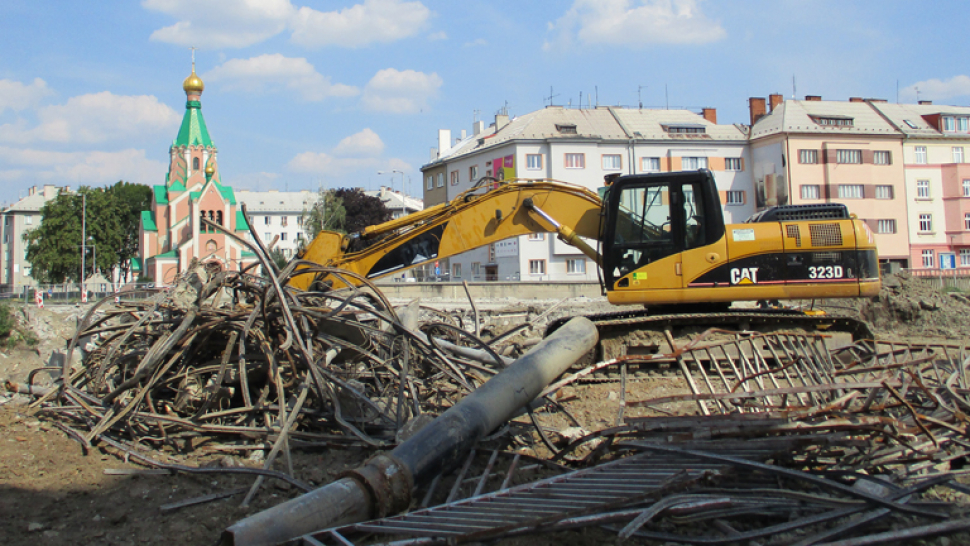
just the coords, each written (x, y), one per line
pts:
(171, 234)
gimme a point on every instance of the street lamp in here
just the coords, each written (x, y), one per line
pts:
(392, 178)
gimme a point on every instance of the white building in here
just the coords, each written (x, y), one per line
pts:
(19, 218)
(398, 203)
(278, 213)
(580, 146)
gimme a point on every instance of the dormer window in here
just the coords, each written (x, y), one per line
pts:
(910, 124)
(687, 129)
(955, 124)
(834, 121)
(566, 128)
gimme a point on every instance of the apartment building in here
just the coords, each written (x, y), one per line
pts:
(19, 218)
(579, 146)
(814, 151)
(935, 140)
(278, 215)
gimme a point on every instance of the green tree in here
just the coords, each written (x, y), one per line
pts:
(362, 210)
(327, 212)
(112, 216)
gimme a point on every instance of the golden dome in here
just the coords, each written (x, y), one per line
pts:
(193, 84)
(209, 170)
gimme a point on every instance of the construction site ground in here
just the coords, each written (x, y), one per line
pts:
(53, 492)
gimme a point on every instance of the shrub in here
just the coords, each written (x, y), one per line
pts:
(11, 333)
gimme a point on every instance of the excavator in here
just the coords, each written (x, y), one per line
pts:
(659, 239)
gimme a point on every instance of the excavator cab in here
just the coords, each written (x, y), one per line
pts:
(654, 218)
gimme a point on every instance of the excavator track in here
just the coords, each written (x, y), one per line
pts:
(618, 330)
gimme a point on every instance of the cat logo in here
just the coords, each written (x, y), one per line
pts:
(744, 275)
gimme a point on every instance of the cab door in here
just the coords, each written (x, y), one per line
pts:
(705, 247)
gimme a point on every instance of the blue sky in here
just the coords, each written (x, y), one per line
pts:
(302, 93)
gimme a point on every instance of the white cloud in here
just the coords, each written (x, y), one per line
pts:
(436, 36)
(269, 73)
(95, 168)
(634, 23)
(242, 23)
(322, 163)
(476, 43)
(400, 91)
(363, 144)
(16, 96)
(96, 117)
(934, 89)
(221, 23)
(374, 21)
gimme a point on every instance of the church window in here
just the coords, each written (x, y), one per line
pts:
(219, 217)
(195, 163)
(210, 246)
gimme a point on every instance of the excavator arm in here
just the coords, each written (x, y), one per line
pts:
(477, 217)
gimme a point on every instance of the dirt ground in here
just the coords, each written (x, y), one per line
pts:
(53, 492)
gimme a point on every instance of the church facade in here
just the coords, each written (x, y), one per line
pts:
(172, 233)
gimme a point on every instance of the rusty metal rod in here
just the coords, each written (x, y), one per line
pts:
(384, 484)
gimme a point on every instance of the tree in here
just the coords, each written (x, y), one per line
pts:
(112, 216)
(362, 210)
(327, 212)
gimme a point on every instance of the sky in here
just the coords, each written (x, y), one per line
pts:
(305, 94)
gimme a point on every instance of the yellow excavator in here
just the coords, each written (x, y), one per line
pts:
(659, 239)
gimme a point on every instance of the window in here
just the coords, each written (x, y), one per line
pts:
(266, 220)
(928, 258)
(284, 221)
(734, 197)
(962, 125)
(429, 183)
(882, 158)
(851, 191)
(283, 236)
(537, 236)
(454, 178)
(650, 164)
(612, 162)
(884, 192)
(834, 121)
(949, 124)
(537, 267)
(195, 163)
(28, 219)
(965, 257)
(685, 129)
(848, 157)
(920, 155)
(456, 271)
(925, 222)
(966, 221)
(299, 220)
(810, 191)
(958, 154)
(441, 180)
(533, 162)
(473, 173)
(566, 128)
(922, 189)
(476, 268)
(732, 164)
(966, 187)
(808, 157)
(886, 226)
(299, 235)
(575, 161)
(693, 163)
(267, 237)
(577, 265)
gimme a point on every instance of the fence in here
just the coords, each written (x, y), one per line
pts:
(943, 279)
(70, 293)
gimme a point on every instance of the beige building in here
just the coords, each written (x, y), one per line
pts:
(812, 151)
(19, 218)
(579, 146)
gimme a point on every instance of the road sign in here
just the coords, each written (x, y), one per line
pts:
(39, 299)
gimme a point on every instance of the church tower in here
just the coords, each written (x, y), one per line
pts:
(172, 233)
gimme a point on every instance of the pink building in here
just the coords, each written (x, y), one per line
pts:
(171, 234)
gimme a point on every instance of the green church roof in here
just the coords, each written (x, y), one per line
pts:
(241, 223)
(161, 195)
(193, 131)
(148, 221)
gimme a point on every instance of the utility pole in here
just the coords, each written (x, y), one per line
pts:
(84, 235)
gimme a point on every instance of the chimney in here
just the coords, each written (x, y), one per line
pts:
(32, 190)
(464, 134)
(478, 128)
(774, 100)
(444, 141)
(925, 102)
(501, 120)
(756, 105)
(813, 98)
(856, 99)
(710, 114)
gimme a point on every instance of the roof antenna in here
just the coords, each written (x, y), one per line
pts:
(792, 87)
(550, 97)
(666, 98)
(639, 96)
